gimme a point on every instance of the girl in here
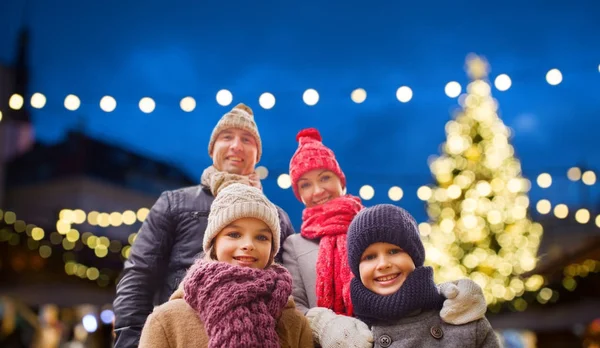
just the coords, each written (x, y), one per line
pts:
(394, 293)
(235, 296)
(323, 292)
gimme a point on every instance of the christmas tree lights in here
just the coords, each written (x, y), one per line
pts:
(478, 208)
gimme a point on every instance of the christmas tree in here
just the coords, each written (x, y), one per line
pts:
(479, 225)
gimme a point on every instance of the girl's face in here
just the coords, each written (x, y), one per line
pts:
(384, 267)
(245, 242)
(318, 187)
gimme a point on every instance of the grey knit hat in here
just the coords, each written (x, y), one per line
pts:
(384, 223)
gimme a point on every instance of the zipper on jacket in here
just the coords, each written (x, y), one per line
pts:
(199, 214)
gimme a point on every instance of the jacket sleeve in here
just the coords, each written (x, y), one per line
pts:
(286, 230)
(143, 271)
(486, 337)
(290, 261)
(153, 334)
(306, 335)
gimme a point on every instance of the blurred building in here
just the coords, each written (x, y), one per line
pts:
(69, 212)
(86, 174)
(91, 188)
(16, 130)
(566, 313)
(78, 194)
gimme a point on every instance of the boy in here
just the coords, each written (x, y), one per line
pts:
(394, 293)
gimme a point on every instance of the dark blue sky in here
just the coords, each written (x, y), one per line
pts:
(168, 50)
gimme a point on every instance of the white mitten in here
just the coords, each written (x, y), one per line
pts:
(464, 302)
(331, 330)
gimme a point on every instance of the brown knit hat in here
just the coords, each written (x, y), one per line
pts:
(238, 201)
(240, 117)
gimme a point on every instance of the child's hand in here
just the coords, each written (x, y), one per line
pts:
(464, 302)
(336, 331)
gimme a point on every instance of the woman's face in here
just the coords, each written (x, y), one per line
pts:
(318, 187)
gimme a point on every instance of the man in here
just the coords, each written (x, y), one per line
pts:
(171, 236)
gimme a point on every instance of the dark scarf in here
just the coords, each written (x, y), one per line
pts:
(329, 223)
(417, 292)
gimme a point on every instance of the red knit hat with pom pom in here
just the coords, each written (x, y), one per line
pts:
(312, 154)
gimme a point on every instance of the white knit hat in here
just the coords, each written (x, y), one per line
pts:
(240, 117)
(238, 201)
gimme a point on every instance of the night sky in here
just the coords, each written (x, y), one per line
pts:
(169, 50)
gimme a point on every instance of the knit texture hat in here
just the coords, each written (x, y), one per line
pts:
(312, 154)
(240, 117)
(238, 201)
(384, 223)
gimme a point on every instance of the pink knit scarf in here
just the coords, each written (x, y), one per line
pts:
(239, 306)
(329, 222)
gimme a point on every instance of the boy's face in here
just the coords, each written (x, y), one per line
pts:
(245, 242)
(384, 267)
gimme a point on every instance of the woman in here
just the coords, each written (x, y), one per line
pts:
(323, 293)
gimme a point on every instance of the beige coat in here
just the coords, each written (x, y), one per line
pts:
(175, 324)
(300, 258)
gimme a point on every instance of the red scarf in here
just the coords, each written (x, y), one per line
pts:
(330, 222)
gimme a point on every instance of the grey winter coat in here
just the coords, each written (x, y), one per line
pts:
(428, 330)
(300, 258)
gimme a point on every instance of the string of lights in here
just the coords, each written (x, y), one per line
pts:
(101, 244)
(67, 236)
(396, 193)
(266, 100)
(547, 294)
(37, 240)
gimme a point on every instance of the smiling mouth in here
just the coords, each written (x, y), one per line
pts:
(322, 201)
(235, 159)
(244, 258)
(387, 278)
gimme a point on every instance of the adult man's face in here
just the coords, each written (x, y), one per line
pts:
(235, 151)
